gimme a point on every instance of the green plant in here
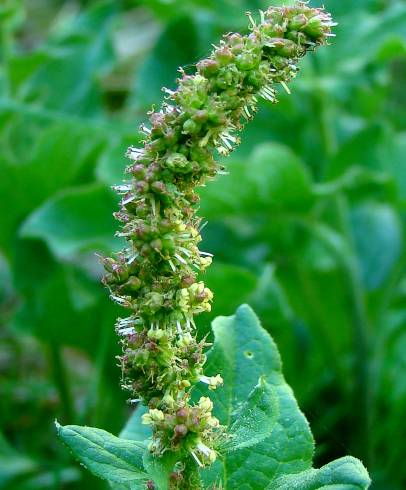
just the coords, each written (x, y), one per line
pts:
(154, 277)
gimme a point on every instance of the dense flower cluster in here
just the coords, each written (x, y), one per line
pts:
(157, 277)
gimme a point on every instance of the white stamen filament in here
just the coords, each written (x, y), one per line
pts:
(223, 151)
(145, 129)
(126, 331)
(181, 259)
(196, 459)
(134, 153)
(285, 87)
(131, 260)
(122, 188)
(168, 92)
(251, 19)
(185, 251)
(203, 449)
(127, 200)
(125, 321)
(117, 299)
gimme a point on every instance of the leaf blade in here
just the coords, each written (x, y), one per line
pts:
(342, 474)
(256, 418)
(105, 455)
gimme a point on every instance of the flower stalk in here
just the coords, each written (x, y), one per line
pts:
(157, 276)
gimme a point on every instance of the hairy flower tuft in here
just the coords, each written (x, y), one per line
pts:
(157, 277)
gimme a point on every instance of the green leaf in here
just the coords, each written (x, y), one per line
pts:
(47, 159)
(75, 221)
(273, 179)
(75, 58)
(136, 485)
(243, 352)
(169, 52)
(111, 165)
(369, 147)
(105, 455)
(377, 231)
(231, 285)
(159, 469)
(373, 31)
(343, 474)
(255, 419)
(134, 429)
(13, 465)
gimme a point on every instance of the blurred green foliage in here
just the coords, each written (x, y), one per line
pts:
(308, 228)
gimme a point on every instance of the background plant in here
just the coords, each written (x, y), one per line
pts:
(328, 224)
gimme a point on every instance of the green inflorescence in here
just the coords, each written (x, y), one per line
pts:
(157, 276)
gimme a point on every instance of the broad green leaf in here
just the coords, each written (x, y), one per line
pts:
(112, 162)
(359, 180)
(67, 77)
(231, 285)
(52, 310)
(273, 179)
(243, 352)
(76, 221)
(105, 455)
(372, 147)
(373, 32)
(343, 474)
(134, 429)
(377, 232)
(169, 53)
(344, 6)
(226, 13)
(159, 469)
(12, 464)
(47, 159)
(136, 485)
(255, 419)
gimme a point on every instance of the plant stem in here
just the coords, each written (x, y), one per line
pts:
(361, 329)
(191, 478)
(61, 382)
(95, 392)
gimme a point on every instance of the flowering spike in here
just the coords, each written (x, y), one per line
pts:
(156, 275)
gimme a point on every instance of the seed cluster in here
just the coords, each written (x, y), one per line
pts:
(157, 276)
